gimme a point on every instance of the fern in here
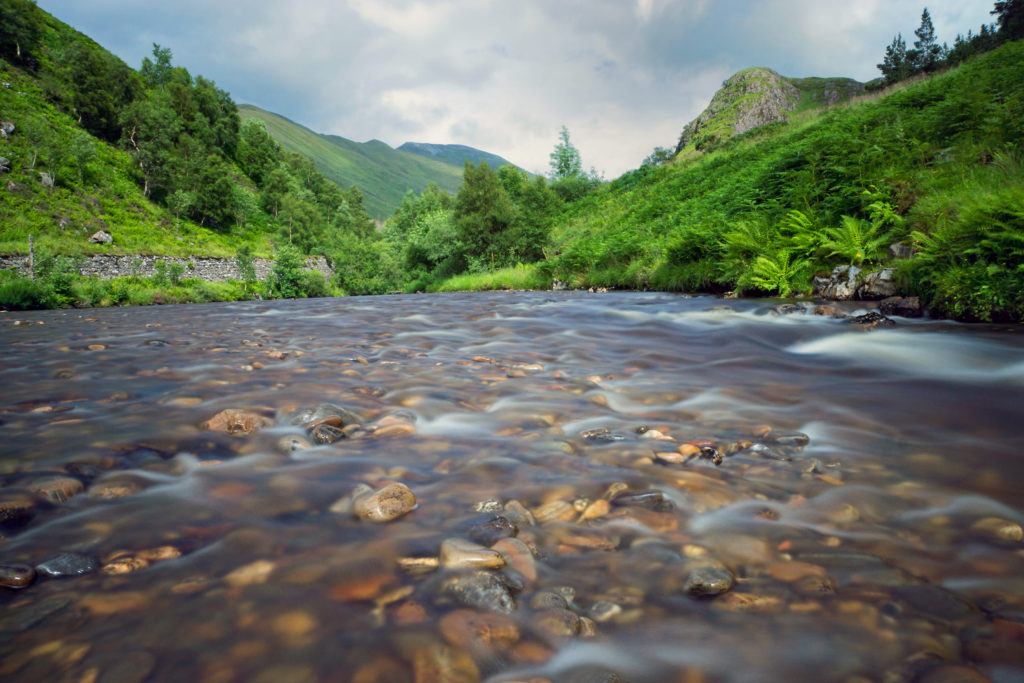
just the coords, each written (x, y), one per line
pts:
(780, 272)
(856, 240)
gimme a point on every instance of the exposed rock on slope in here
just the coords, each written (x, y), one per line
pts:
(756, 97)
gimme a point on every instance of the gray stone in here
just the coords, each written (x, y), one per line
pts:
(5, 165)
(841, 285)
(6, 129)
(101, 237)
(46, 179)
(480, 590)
(67, 564)
(558, 286)
(706, 581)
(879, 284)
(109, 266)
(16, 575)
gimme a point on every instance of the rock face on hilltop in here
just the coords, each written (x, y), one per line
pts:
(756, 97)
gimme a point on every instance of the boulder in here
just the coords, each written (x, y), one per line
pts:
(841, 285)
(907, 307)
(6, 128)
(46, 179)
(879, 284)
(5, 165)
(101, 237)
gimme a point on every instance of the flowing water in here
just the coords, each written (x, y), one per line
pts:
(862, 522)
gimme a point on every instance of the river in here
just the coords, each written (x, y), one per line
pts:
(508, 487)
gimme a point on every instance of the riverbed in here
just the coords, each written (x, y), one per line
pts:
(542, 486)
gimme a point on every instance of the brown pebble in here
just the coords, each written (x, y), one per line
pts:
(16, 575)
(112, 603)
(470, 629)
(125, 565)
(518, 556)
(160, 554)
(57, 489)
(236, 422)
(458, 552)
(384, 505)
(294, 624)
(556, 622)
(251, 574)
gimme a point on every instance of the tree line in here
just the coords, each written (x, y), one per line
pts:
(927, 55)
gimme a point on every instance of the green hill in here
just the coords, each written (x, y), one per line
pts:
(934, 164)
(382, 173)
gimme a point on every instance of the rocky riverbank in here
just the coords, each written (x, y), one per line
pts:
(108, 267)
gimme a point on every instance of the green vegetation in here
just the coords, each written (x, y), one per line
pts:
(382, 174)
(936, 164)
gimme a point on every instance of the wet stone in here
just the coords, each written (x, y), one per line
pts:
(547, 600)
(493, 530)
(651, 500)
(57, 489)
(16, 575)
(708, 581)
(67, 564)
(604, 611)
(460, 553)
(390, 502)
(324, 434)
(290, 444)
(471, 629)
(517, 555)
(236, 422)
(557, 622)
(479, 589)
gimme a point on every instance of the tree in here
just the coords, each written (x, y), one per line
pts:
(483, 211)
(157, 71)
(1010, 18)
(20, 27)
(82, 151)
(896, 65)
(659, 156)
(927, 51)
(565, 160)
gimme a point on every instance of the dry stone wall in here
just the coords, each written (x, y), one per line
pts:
(209, 269)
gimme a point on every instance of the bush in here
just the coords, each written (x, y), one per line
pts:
(286, 276)
(314, 284)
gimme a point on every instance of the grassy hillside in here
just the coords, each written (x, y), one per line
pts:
(935, 164)
(95, 181)
(382, 173)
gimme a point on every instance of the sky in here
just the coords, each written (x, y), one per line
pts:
(504, 76)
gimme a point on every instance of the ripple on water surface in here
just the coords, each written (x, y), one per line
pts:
(508, 487)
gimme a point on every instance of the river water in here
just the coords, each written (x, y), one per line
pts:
(862, 522)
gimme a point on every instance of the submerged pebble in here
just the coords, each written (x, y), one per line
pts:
(384, 505)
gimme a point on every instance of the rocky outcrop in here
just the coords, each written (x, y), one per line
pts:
(210, 269)
(747, 100)
(850, 282)
(756, 97)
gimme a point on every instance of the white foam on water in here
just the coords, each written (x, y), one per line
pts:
(938, 356)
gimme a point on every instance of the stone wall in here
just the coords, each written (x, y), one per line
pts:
(209, 269)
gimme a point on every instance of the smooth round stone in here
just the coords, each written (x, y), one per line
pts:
(557, 622)
(457, 552)
(480, 589)
(323, 434)
(469, 629)
(67, 564)
(57, 489)
(1001, 530)
(384, 505)
(547, 600)
(236, 422)
(518, 556)
(605, 611)
(290, 444)
(705, 581)
(490, 532)
(16, 575)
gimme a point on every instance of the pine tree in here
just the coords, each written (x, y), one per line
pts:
(927, 51)
(1010, 17)
(895, 66)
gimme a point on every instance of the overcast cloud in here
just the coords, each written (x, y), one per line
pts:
(505, 75)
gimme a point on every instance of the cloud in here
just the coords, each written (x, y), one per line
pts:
(624, 77)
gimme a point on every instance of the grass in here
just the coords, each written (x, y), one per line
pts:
(516, 277)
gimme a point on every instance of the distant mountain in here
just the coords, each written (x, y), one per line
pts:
(382, 173)
(759, 96)
(456, 155)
